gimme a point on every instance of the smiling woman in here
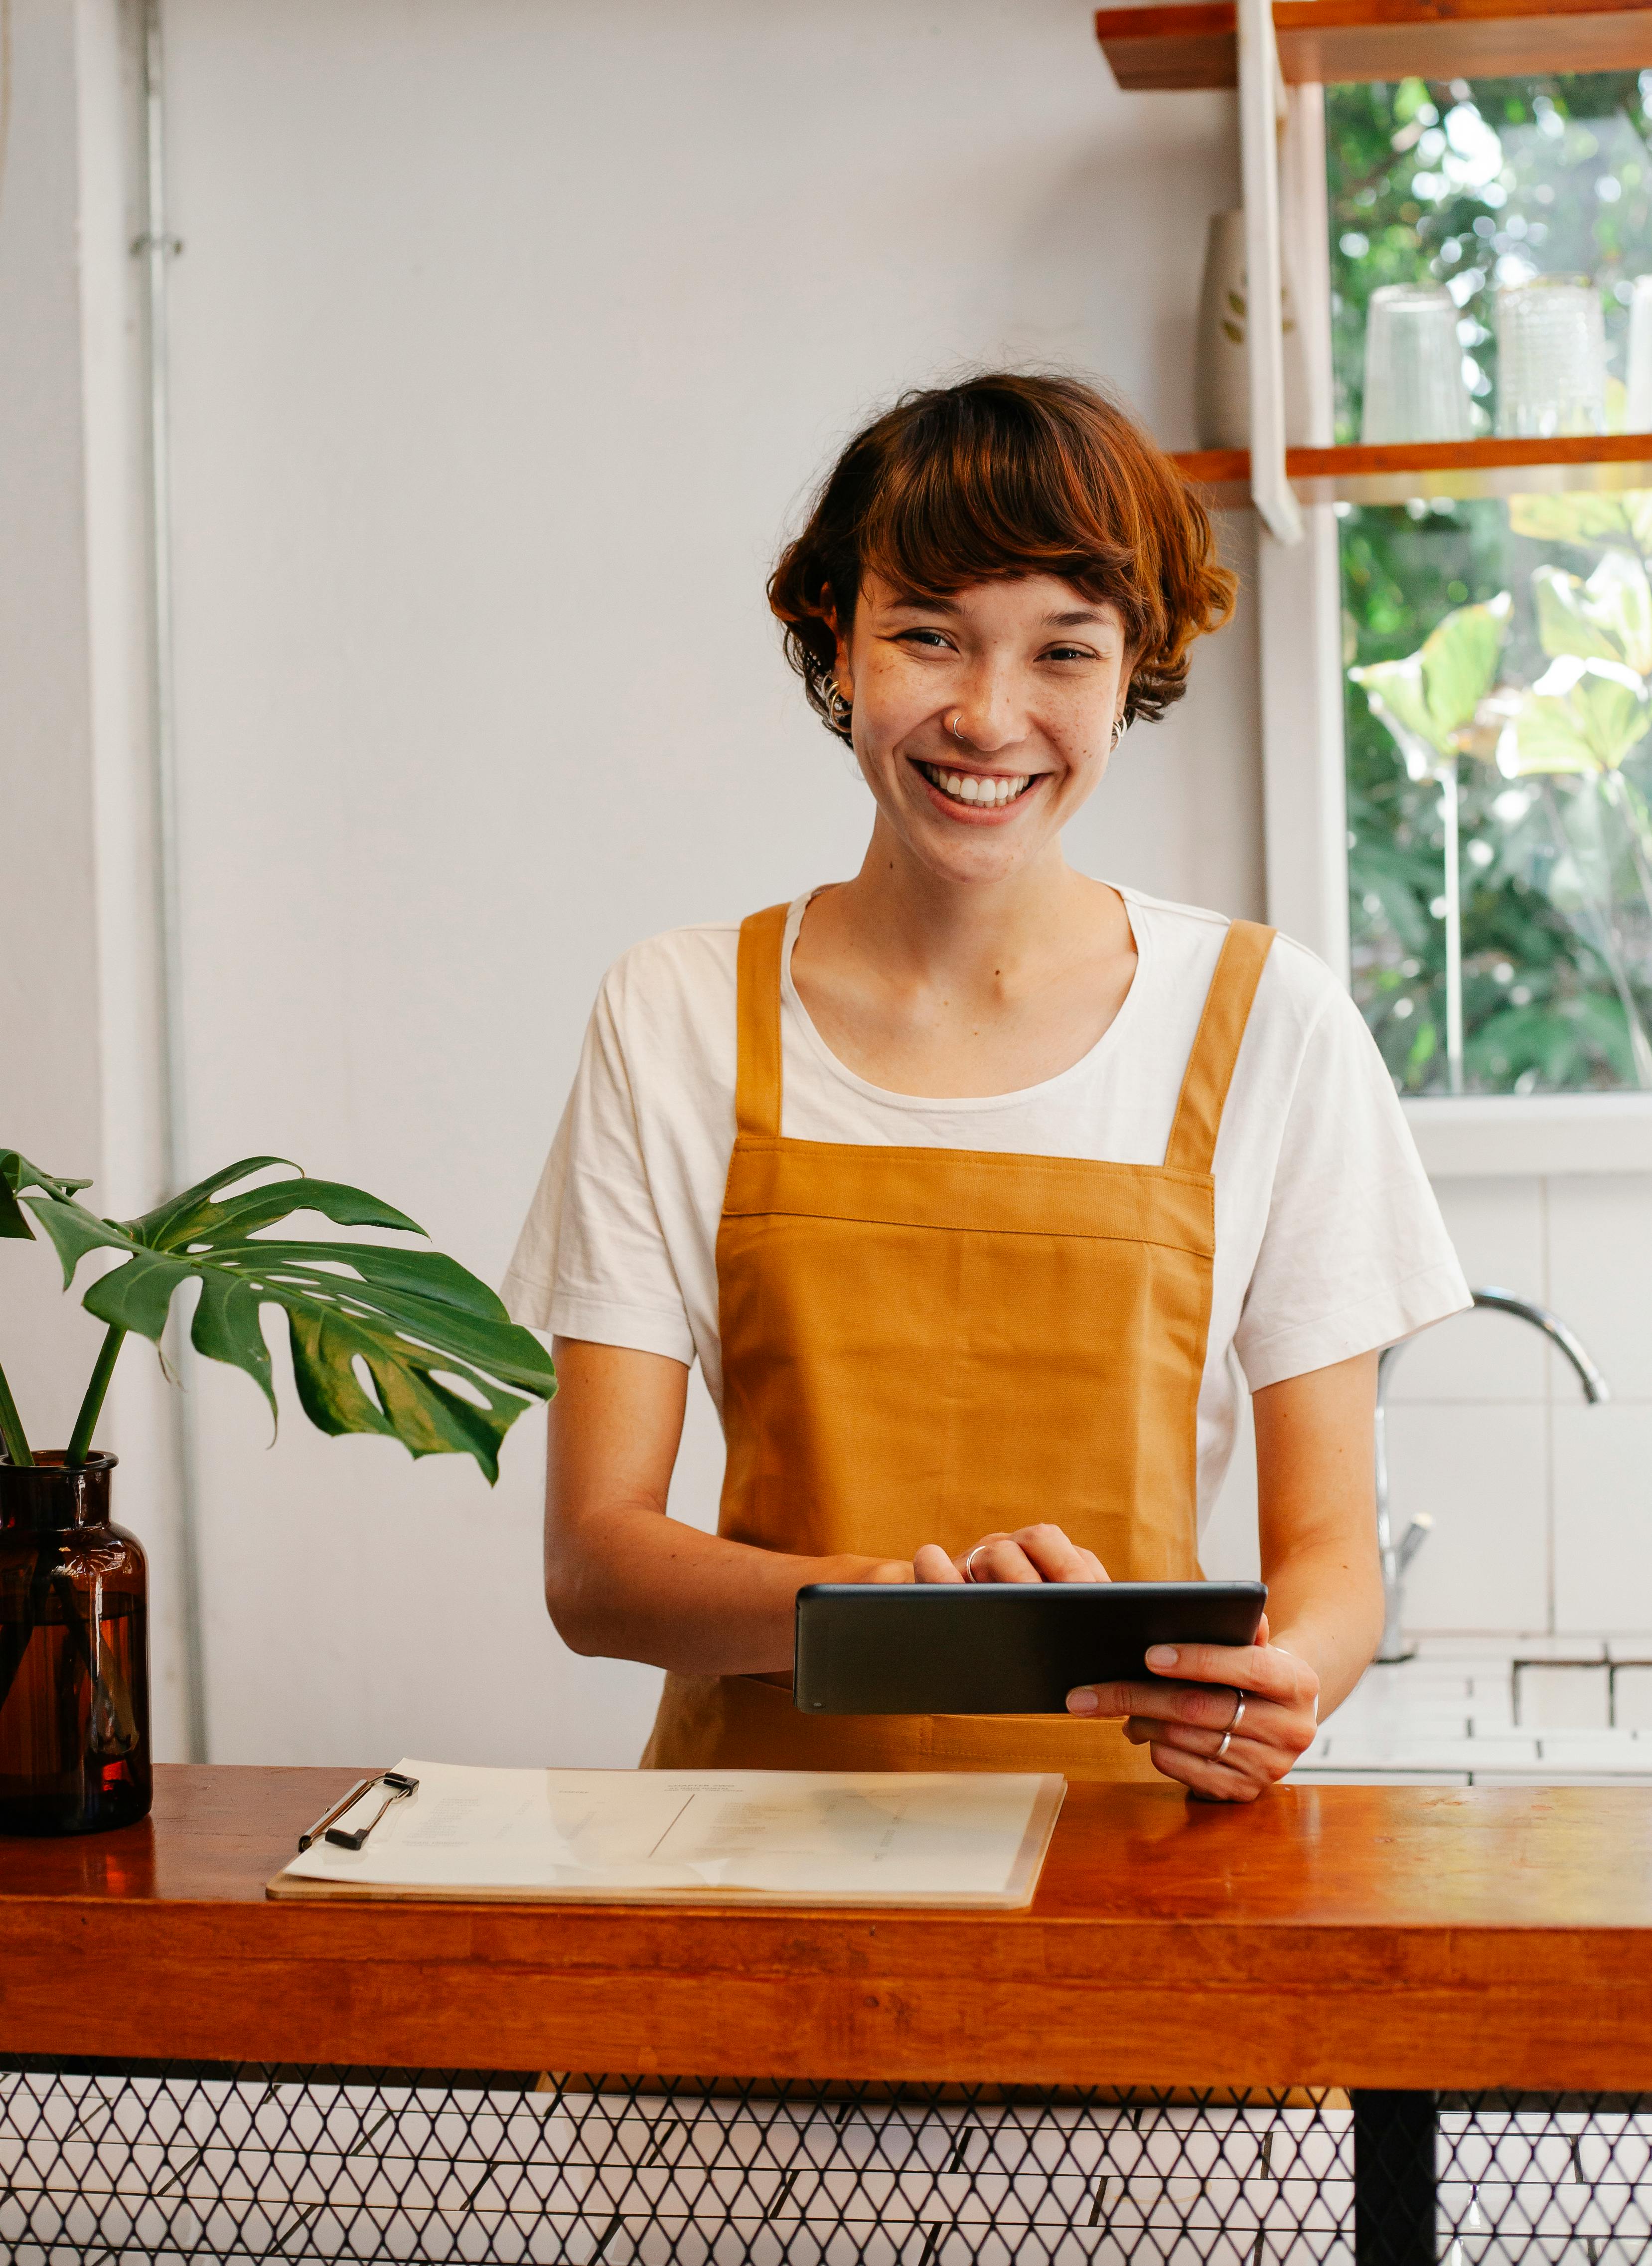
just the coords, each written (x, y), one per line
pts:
(970, 1179)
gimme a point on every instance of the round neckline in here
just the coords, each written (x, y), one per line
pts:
(792, 998)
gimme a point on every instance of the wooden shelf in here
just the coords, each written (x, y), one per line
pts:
(1400, 470)
(1330, 42)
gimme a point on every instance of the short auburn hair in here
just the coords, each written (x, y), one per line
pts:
(1004, 475)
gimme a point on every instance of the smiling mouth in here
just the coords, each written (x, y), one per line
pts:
(974, 790)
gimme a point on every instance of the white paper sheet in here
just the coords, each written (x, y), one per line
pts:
(800, 1837)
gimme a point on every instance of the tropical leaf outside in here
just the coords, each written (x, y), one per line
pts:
(1584, 517)
(1560, 1040)
(1396, 696)
(1608, 618)
(1428, 701)
(1588, 728)
(1588, 519)
(1459, 663)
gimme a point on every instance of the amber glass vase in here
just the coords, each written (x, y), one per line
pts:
(74, 1654)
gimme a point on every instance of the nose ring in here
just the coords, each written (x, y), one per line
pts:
(953, 726)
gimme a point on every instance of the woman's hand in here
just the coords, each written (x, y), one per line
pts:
(1033, 1554)
(1234, 1725)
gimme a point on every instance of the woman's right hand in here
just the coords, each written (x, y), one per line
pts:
(1033, 1554)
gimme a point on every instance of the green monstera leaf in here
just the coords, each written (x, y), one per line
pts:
(16, 1173)
(1585, 518)
(1608, 618)
(1428, 701)
(438, 1348)
(1582, 718)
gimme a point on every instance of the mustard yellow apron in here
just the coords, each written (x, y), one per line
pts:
(924, 1345)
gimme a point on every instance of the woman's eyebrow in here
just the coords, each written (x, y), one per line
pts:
(1075, 620)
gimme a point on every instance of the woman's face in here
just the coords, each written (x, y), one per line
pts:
(982, 721)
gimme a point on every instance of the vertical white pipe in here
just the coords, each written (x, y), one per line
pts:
(1259, 92)
(159, 246)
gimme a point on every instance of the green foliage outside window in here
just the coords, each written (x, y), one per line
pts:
(1540, 733)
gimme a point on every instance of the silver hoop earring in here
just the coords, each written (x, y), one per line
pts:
(1121, 725)
(839, 712)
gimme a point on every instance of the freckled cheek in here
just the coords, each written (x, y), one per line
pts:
(894, 739)
(889, 709)
(1085, 766)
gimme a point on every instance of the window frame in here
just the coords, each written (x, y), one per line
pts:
(1299, 611)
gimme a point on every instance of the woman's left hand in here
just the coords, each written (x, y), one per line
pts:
(1234, 1721)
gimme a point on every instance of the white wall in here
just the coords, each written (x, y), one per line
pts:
(507, 336)
(49, 1064)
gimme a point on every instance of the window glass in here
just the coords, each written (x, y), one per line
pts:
(1499, 653)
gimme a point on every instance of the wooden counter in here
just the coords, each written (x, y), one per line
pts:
(1397, 1937)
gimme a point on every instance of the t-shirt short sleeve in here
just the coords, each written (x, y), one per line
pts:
(1354, 1253)
(592, 1259)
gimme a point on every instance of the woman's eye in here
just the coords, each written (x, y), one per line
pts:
(1070, 652)
(928, 641)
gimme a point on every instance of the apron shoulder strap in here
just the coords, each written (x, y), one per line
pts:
(1216, 1046)
(757, 1064)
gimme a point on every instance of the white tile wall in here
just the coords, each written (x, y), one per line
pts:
(1480, 1469)
(1600, 1273)
(1542, 1505)
(1603, 1516)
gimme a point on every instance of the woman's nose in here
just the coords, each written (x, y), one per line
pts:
(986, 717)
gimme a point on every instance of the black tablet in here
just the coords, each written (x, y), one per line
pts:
(997, 1648)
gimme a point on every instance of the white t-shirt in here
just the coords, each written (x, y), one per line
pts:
(1328, 1240)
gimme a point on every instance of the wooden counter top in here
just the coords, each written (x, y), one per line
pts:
(1346, 1935)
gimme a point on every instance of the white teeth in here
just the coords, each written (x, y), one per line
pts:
(970, 786)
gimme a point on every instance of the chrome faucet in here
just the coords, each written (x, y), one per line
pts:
(1397, 1557)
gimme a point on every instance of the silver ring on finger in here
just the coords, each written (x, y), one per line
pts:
(1239, 1713)
(1227, 1741)
(969, 1562)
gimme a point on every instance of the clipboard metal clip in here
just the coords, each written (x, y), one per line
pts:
(398, 1786)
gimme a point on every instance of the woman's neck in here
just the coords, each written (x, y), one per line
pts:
(923, 986)
(998, 937)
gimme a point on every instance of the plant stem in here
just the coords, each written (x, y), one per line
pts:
(1623, 799)
(11, 1433)
(1454, 928)
(92, 1407)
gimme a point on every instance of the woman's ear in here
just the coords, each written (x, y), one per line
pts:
(1122, 712)
(843, 674)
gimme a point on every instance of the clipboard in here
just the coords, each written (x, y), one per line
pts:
(955, 1838)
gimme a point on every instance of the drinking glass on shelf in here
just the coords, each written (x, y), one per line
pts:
(1414, 367)
(1551, 359)
(1638, 407)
